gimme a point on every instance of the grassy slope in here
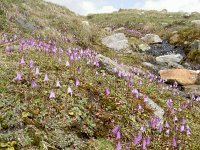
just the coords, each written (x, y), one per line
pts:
(86, 119)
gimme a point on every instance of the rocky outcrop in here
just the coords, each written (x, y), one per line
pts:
(169, 59)
(182, 76)
(152, 39)
(116, 41)
(196, 22)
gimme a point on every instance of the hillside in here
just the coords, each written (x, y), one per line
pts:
(65, 85)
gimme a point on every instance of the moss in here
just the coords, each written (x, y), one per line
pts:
(100, 144)
(2, 20)
(193, 56)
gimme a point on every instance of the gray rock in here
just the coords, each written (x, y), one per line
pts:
(85, 23)
(152, 39)
(116, 41)
(187, 15)
(26, 24)
(158, 111)
(175, 65)
(167, 59)
(147, 64)
(195, 45)
(144, 47)
(196, 22)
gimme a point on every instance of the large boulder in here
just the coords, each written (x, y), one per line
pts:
(182, 76)
(169, 59)
(196, 22)
(152, 39)
(116, 41)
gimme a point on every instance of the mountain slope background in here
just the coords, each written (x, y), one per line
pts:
(37, 113)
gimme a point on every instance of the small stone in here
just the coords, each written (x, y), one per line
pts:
(152, 39)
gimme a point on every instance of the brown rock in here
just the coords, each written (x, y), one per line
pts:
(182, 76)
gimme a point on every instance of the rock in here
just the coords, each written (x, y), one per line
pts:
(158, 111)
(196, 22)
(116, 41)
(164, 11)
(175, 65)
(26, 24)
(174, 39)
(152, 39)
(192, 89)
(147, 64)
(187, 15)
(108, 29)
(85, 23)
(144, 47)
(195, 45)
(167, 59)
(119, 29)
(182, 76)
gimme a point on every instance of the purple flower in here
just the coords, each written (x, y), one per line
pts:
(69, 90)
(33, 84)
(19, 76)
(67, 64)
(144, 144)
(148, 140)
(167, 132)
(52, 94)
(118, 135)
(116, 129)
(166, 124)
(142, 128)
(136, 141)
(160, 127)
(119, 147)
(77, 83)
(37, 71)
(174, 144)
(127, 148)
(22, 62)
(31, 63)
(46, 77)
(183, 120)
(136, 93)
(139, 107)
(145, 98)
(169, 103)
(187, 130)
(182, 128)
(107, 92)
(58, 83)
(175, 119)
